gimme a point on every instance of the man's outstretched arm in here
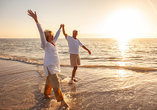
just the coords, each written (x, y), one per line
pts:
(64, 31)
(86, 49)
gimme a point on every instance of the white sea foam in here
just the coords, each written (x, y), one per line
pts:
(66, 80)
(21, 59)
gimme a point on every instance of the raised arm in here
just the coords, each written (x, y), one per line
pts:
(86, 49)
(64, 31)
(33, 15)
(57, 34)
(42, 35)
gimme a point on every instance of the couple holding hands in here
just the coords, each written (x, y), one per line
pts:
(51, 59)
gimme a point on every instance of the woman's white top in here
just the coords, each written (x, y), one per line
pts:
(51, 59)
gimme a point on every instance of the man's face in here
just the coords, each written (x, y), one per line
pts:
(75, 33)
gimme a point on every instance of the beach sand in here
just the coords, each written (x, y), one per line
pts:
(19, 83)
(22, 85)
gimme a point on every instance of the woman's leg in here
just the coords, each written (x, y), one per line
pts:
(48, 87)
(56, 88)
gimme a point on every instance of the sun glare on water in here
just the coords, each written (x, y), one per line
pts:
(125, 24)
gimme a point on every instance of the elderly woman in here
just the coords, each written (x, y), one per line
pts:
(51, 61)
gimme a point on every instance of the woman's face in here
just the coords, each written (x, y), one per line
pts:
(50, 38)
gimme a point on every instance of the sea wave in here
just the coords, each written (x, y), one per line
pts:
(21, 59)
(138, 69)
(36, 62)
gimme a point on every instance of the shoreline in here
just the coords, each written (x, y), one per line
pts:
(22, 86)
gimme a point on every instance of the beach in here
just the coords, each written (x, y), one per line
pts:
(116, 76)
(22, 87)
(112, 45)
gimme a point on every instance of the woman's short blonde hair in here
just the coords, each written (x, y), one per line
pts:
(47, 33)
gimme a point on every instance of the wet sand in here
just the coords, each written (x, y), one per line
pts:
(19, 86)
(22, 85)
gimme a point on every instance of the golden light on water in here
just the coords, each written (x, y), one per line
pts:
(125, 24)
(122, 43)
(122, 73)
(123, 46)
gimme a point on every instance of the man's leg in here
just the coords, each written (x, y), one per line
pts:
(74, 72)
(74, 60)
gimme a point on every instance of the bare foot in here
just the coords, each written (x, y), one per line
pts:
(72, 82)
(65, 105)
(75, 80)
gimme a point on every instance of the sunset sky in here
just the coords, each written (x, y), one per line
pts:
(92, 18)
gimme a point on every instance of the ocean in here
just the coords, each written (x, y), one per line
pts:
(118, 75)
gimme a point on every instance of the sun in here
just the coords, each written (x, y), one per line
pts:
(125, 24)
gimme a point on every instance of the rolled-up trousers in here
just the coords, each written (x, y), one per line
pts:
(52, 82)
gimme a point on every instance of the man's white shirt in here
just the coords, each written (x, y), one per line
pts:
(73, 45)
